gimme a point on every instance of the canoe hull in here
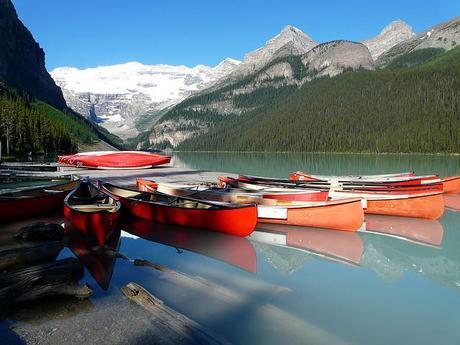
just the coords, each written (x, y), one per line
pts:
(237, 222)
(24, 208)
(34, 201)
(115, 160)
(451, 184)
(430, 206)
(343, 215)
(96, 224)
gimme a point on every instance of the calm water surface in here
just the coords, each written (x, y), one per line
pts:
(398, 282)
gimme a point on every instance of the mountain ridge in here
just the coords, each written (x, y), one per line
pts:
(388, 110)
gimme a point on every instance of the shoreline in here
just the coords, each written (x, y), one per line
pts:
(326, 152)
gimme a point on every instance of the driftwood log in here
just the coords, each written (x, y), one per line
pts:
(41, 231)
(53, 278)
(19, 255)
(177, 327)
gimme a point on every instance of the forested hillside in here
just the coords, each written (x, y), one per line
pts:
(28, 125)
(397, 109)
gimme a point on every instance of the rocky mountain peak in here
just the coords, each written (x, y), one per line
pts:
(444, 36)
(391, 35)
(333, 58)
(290, 41)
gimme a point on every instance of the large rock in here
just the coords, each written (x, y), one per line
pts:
(22, 61)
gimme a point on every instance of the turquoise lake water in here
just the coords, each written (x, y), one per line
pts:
(286, 285)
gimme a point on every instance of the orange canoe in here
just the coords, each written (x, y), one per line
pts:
(344, 214)
(428, 205)
(451, 184)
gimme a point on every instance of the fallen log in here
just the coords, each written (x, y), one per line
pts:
(41, 231)
(178, 328)
(53, 278)
(19, 255)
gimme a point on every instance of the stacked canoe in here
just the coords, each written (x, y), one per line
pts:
(114, 160)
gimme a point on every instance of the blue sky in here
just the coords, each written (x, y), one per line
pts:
(86, 33)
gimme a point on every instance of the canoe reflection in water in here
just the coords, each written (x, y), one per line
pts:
(452, 202)
(346, 248)
(420, 231)
(234, 250)
(338, 246)
(97, 259)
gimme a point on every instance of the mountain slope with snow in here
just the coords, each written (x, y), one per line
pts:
(117, 96)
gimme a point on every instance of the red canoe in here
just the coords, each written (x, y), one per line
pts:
(115, 160)
(91, 211)
(34, 201)
(238, 220)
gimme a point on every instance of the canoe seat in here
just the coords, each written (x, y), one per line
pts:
(95, 207)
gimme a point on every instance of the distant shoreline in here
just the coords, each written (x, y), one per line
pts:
(337, 153)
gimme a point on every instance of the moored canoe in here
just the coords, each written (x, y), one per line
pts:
(435, 185)
(429, 205)
(90, 210)
(396, 180)
(34, 201)
(344, 215)
(451, 184)
(233, 219)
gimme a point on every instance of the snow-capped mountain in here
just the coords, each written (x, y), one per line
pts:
(394, 33)
(117, 96)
